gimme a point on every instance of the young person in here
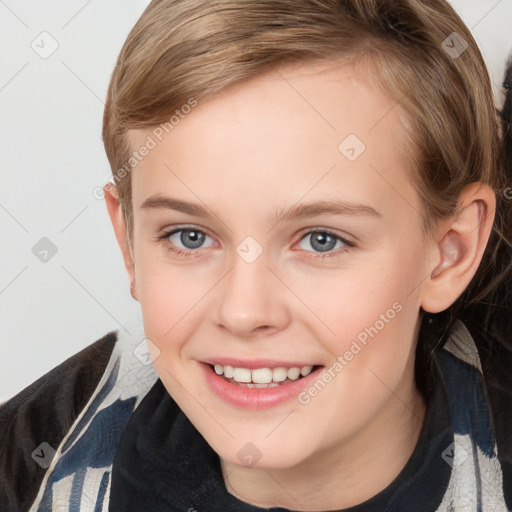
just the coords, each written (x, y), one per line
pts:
(311, 202)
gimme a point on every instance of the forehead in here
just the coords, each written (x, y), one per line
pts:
(314, 128)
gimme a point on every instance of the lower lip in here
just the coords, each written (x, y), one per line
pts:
(255, 398)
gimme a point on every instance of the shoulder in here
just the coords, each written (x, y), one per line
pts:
(499, 391)
(496, 355)
(43, 412)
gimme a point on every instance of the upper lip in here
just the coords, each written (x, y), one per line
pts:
(256, 363)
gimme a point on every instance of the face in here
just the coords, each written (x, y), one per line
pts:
(291, 239)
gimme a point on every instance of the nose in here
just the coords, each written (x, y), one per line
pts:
(252, 299)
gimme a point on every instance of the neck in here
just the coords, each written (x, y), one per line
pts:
(339, 476)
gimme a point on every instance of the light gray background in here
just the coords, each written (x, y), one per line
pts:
(52, 160)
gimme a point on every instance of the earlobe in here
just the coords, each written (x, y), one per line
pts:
(459, 252)
(116, 217)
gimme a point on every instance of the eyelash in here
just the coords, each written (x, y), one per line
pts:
(163, 238)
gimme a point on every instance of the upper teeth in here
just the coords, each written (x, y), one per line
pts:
(262, 375)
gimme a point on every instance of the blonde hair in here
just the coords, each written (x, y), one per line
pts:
(419, 51)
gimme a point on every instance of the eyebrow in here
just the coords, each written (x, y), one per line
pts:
(297, 211)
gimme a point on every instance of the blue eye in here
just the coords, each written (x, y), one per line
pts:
(187, 242)
(323, 242)
(189, 238)
(184, 241)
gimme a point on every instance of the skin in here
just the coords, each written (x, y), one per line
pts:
(253, 148)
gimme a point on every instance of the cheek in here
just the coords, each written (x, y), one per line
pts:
(369, 315)
(376, 331)
(375, 362)
(356, 297)
(169, 303)
(167, 296)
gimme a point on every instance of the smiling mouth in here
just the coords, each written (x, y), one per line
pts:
(262, 377)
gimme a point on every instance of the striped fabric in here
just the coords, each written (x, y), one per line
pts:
(78, 479)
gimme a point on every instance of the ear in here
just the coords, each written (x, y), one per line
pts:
(460, 245)
(117, 219)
